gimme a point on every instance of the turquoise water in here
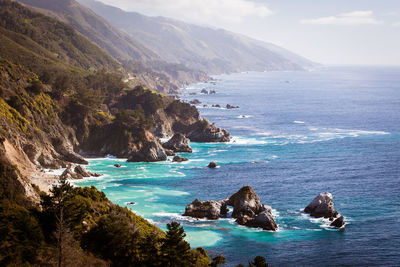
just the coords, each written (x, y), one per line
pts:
(295, 135)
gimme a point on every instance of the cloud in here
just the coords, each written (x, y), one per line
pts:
(197, 11)
(360, 17)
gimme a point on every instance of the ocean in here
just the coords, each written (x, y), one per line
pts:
(295, 135)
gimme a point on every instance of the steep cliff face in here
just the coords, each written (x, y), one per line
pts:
(29, 120)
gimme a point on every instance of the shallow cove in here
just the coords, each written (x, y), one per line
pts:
(296, 134)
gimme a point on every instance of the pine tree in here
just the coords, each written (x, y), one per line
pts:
(175, 250)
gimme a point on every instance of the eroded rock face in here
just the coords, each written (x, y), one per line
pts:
(322, 206)
(205, 209)
(209, 133)
(151, 151)
(179, 144)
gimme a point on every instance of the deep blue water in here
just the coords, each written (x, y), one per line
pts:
(333, 129)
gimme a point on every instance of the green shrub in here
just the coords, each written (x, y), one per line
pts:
(20, 235)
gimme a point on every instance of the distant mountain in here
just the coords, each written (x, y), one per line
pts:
(145, 65)
(37, 42)
(117, 43)
(210, 50)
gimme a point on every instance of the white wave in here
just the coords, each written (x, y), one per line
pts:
(244, 116)
(177, 216)
(299, 122)
(247, 141)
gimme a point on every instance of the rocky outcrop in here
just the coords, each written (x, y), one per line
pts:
(228, 106)
(247, 209)
(77, 172)
(212, 165)
(264, 220)
(205, 209)
(151, 151)
(179, 144)
(338, 223)
(179, 159)
(322, 206)
(207, 132)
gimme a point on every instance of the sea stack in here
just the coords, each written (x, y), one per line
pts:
(247, 210)
(322, 207)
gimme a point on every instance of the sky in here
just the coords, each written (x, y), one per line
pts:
(337, 32)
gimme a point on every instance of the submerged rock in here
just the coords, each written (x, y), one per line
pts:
(205, 209)
(178, 143)
(179, 159)
(322, 206)
(231, 107)
(195, 102)
(339, 222)
(212, 165)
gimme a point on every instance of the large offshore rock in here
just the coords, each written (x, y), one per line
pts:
(322, 206)
(178, 143)
(247, 209)
(245, 202)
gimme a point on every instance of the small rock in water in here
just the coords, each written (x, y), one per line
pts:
(339, 222)
(179, 159)
(212, 92)
(212, 165)
(117, 165)
(195, 102)
(231, 107)
(204, 91)
(130, 203)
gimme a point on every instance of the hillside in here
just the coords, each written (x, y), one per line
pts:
(146, 66)
(210, 50)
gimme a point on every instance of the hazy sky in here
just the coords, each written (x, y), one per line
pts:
(326, 31)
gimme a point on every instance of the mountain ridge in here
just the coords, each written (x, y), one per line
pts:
(213, 51)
